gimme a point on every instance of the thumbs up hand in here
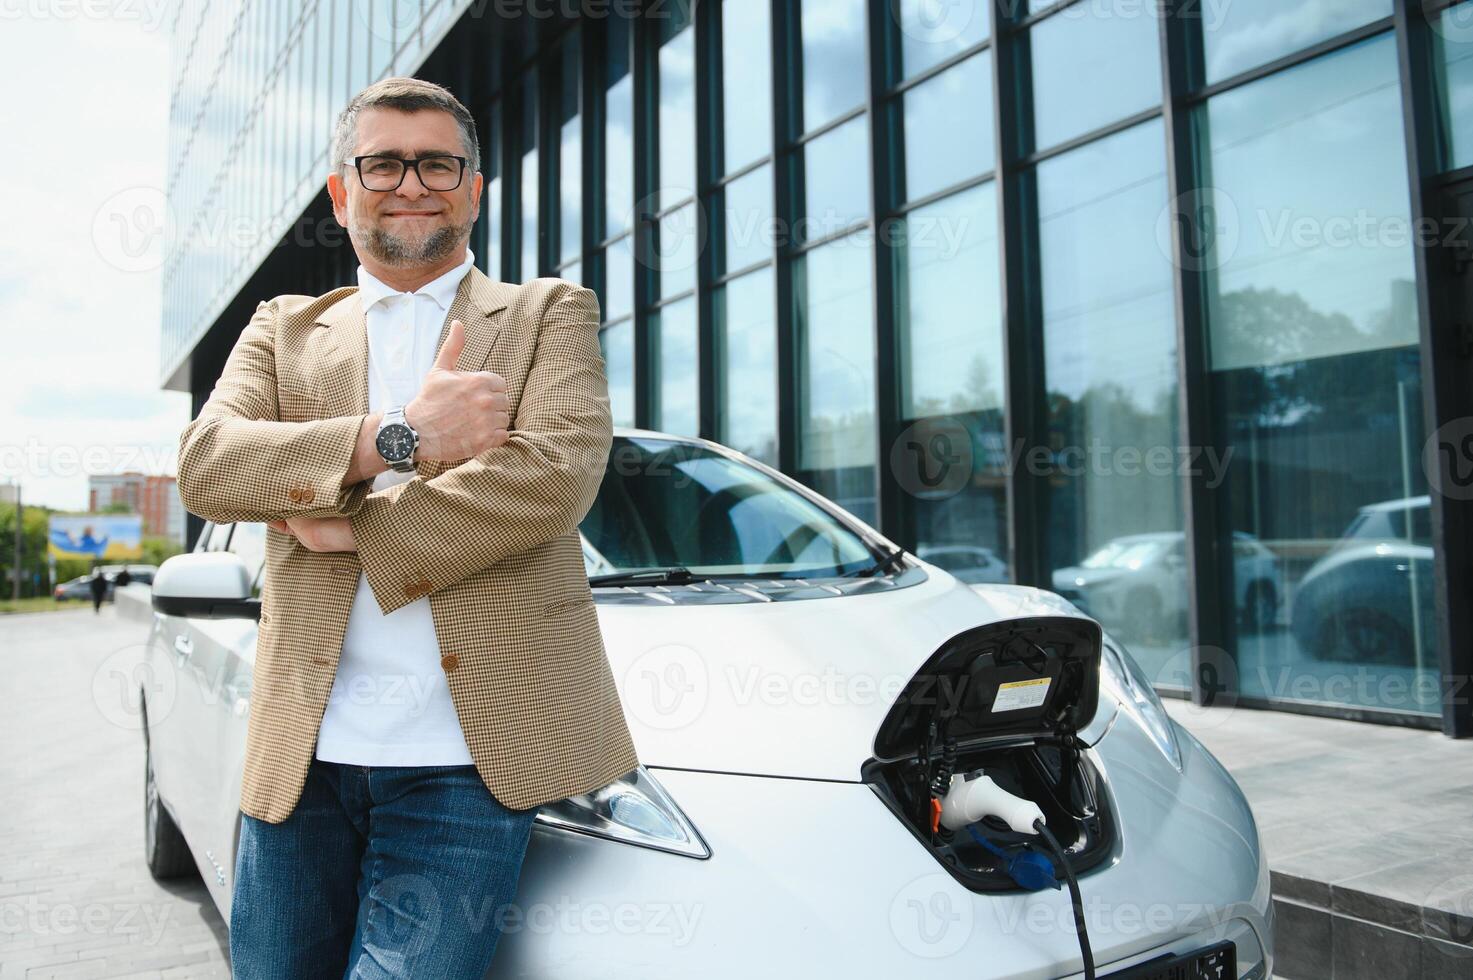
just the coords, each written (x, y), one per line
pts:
(458, 414)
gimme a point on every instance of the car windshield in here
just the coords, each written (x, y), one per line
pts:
(665, 503)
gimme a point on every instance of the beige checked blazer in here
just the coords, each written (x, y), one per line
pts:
(493, 540)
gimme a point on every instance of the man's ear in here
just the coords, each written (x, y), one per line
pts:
(338, 192)
(477, 186)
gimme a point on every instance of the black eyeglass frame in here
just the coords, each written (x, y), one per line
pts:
(408, 163)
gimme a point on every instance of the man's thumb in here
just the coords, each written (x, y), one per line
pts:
(450, 350)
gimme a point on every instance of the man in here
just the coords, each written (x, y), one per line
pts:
(97, 585)
(429, 668)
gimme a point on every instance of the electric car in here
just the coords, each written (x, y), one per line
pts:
(801, 693)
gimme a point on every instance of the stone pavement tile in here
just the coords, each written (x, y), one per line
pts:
(1309, 958)
(1363, 951)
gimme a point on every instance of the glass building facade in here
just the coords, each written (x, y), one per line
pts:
(1159, 306)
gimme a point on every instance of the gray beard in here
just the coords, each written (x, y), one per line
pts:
(395, 250)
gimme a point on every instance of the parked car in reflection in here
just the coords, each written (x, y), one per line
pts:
(1370, 599)
(723, 588)
(972, 564)
(1138, 584)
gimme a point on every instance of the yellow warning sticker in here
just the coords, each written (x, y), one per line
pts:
(1017, 695)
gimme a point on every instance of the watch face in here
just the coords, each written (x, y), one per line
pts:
(395, 442)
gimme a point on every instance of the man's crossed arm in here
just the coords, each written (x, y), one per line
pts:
(532, 482)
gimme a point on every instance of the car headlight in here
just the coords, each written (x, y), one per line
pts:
(633, 809)
(1122, 679)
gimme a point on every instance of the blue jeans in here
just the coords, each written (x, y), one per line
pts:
(380, 871)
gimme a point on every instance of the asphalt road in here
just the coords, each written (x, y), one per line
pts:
(75, 897)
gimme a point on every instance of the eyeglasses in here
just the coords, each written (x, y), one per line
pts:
(437, 172)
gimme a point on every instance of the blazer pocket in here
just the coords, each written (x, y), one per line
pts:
(565, 602)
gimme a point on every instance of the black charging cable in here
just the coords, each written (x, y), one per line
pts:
(1074, 897)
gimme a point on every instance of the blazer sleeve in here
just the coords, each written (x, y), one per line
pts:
(239, 462)
(536, 486)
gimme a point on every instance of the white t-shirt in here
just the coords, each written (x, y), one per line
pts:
(390, 702)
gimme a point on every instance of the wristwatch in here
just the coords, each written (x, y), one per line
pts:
(396, 441)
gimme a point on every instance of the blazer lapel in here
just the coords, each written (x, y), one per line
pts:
(478, 304)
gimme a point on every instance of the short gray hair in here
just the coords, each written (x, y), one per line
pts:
(405, 95)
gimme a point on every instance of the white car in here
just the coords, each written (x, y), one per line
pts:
(799, 691)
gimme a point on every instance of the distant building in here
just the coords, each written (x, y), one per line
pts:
(155, 498)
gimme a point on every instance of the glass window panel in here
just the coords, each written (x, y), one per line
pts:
(948, 127)
(747, 89)
(674, 329)
(748, 213)
(528, 185)
(491, 207)
(573, 272)
(1453, 37)
(1244, 34)
(836, 364)
(619, 298)
(677, 258)
(1110, 371)
(617, 342)
(836, 179)
(1313, 325)
(951, 460)
(380, 37)
(1118, 51)
(677, 118)
(618, 131)
(744, 309)
(933, 30)
(834, 79)
(570, 156)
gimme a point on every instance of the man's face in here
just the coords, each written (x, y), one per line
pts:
(412, 225)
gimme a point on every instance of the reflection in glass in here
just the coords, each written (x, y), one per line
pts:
(1313, 326)
(834, 79)
(749, 231)
(747, 88)
(617, 343)
(1116, 50)
(1453, 39)
(747, 340)
(836, 180)
(528, 187)
(674, 329)
(1247, 33)
(570, 155)
(677, 114)
(948, 127)
(618, 130)
(678, 242)
(619, 300)
(933, 30)
(952, 462)
(1110, 370)
(836, 363)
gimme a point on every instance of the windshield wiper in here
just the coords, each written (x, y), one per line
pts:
(673, 575)
(881, 566)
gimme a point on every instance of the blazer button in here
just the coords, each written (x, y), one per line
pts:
(308, 495)
(295, 495)
(449, 662)
(425, 588)
(411, 591)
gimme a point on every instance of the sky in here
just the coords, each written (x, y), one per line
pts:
(85, 124)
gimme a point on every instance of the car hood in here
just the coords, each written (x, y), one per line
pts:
(798, 688)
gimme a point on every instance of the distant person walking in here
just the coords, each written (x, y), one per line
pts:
(98, 585)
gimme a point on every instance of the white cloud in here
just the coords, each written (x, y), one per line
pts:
(86, 114)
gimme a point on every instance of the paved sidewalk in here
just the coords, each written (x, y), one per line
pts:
(76, 900)
(1369, 832)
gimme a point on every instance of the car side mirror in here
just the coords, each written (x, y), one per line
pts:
(205, 585)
